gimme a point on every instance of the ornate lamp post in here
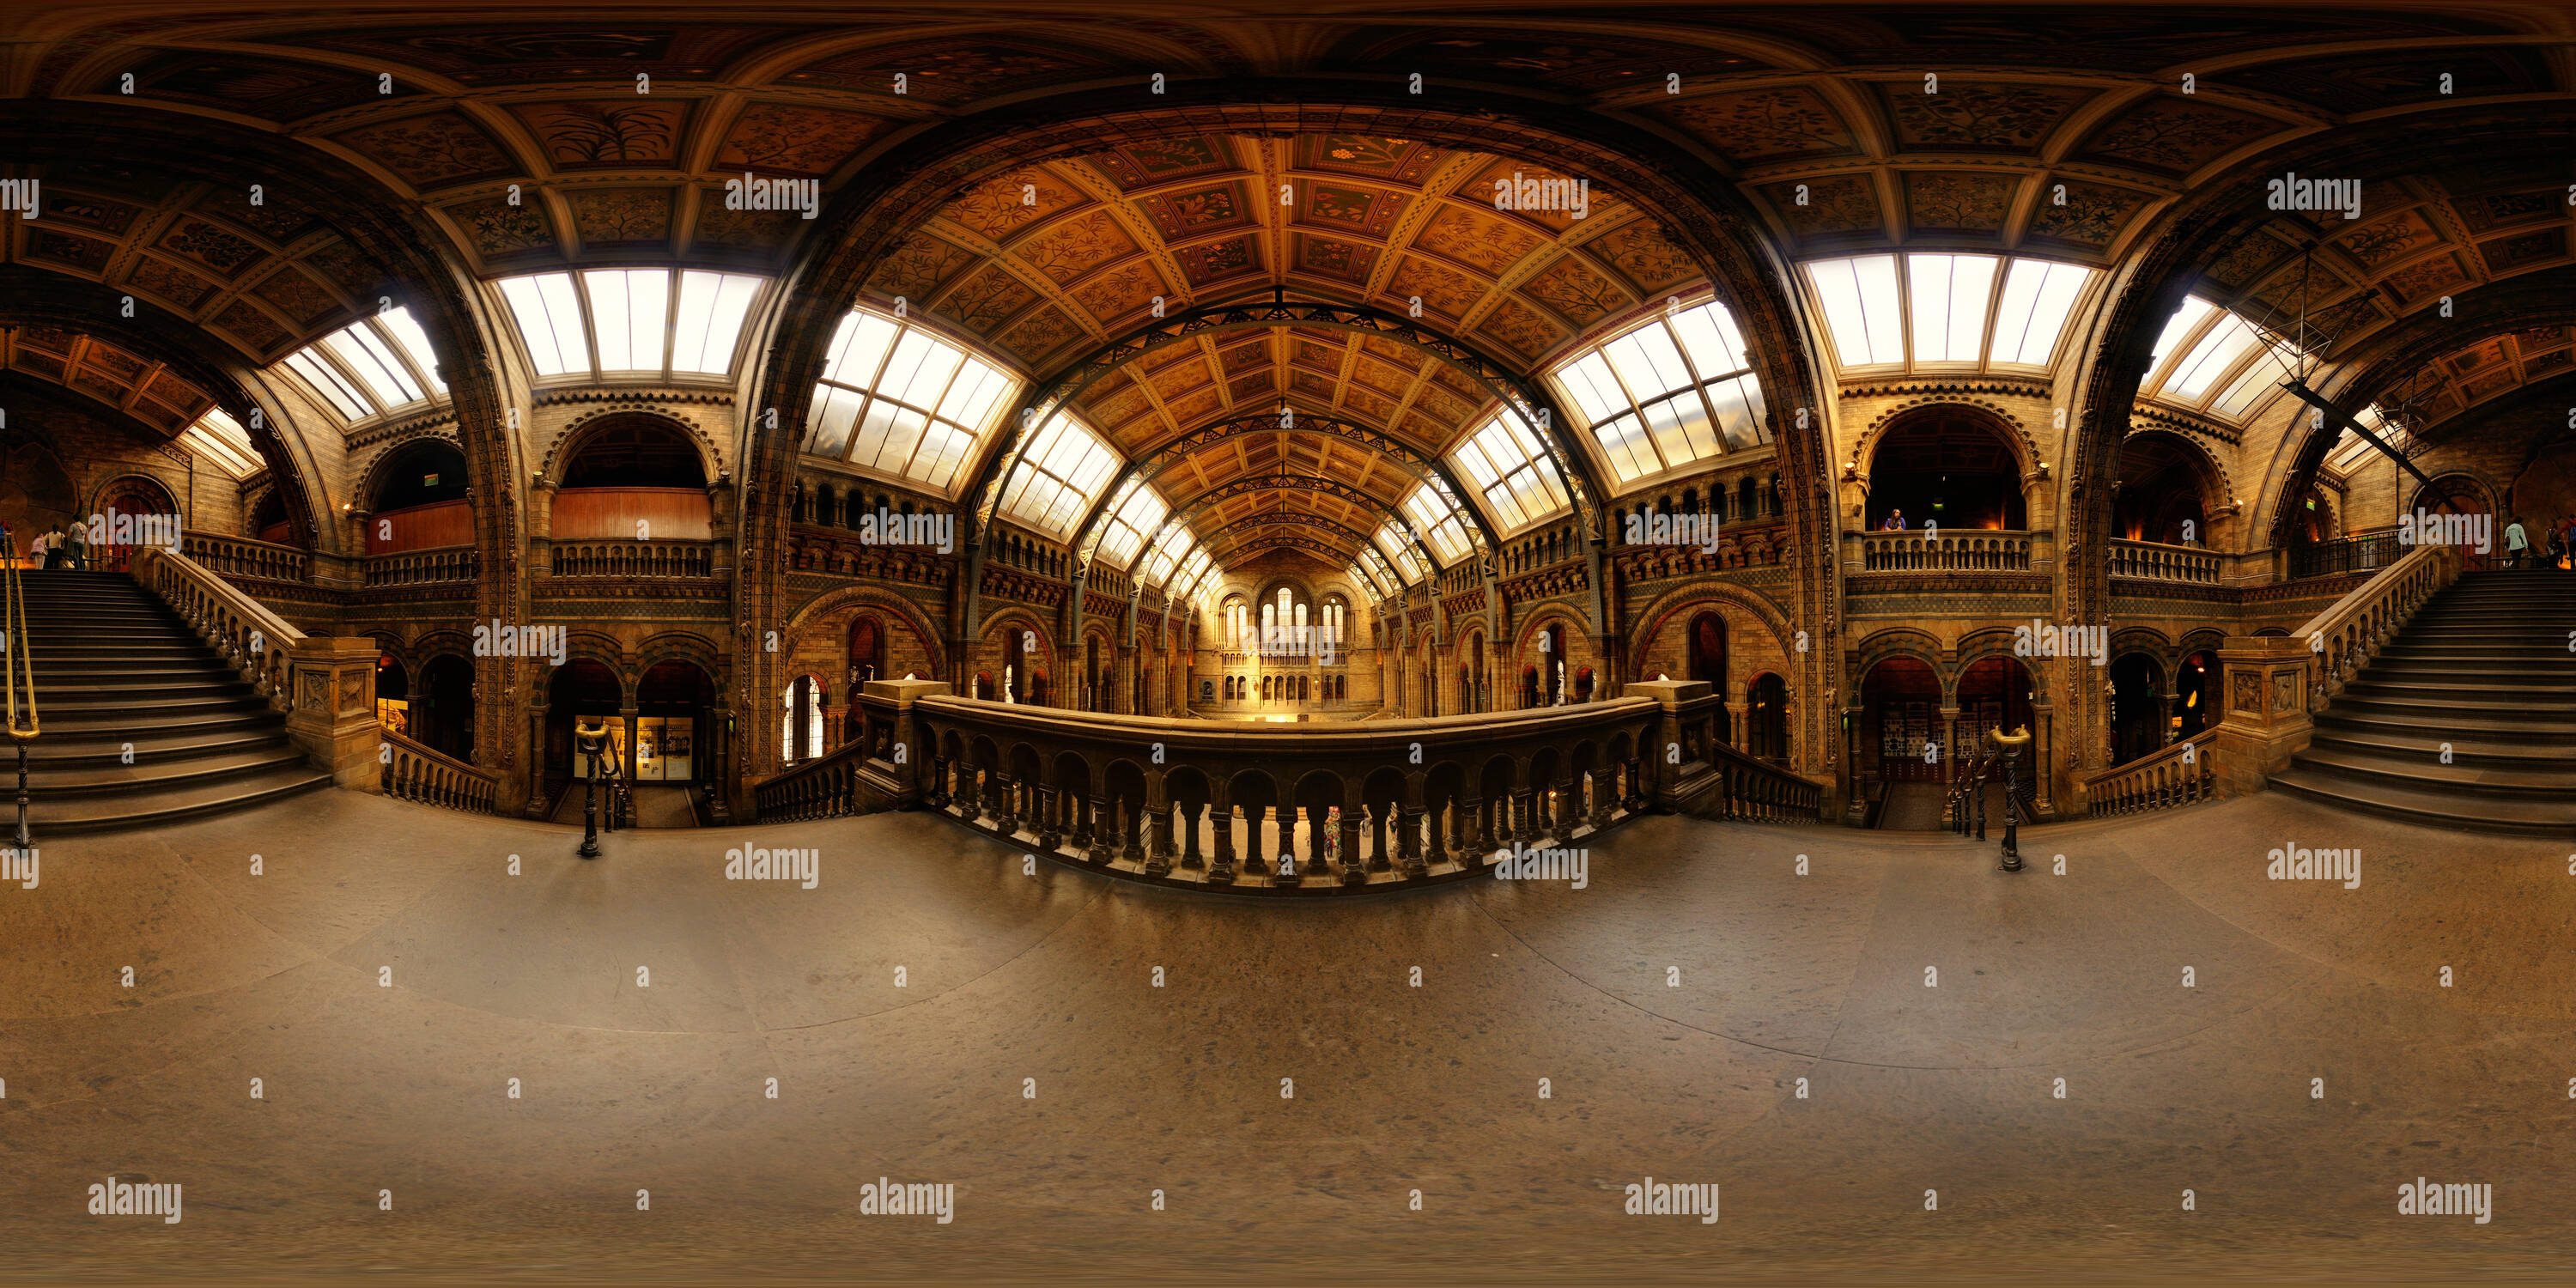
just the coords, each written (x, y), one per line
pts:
(2011, 745)
(589, 738)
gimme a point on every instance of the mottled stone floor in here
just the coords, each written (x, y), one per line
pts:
(1672, 1005)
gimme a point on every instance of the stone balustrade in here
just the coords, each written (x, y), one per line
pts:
(1952, 550)
(634, 559)
(416, 772)
(2155, 561)
(420, 567)
(244, 557)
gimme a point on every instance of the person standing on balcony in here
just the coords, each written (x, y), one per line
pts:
(1895, 522)
(2516, 546)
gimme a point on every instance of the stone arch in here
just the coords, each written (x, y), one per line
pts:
(1900, 641)
(578, 431)
(1688, 598)
(827, 605)
(2026, 450)
(371, 476)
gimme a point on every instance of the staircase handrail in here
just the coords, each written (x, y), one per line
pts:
(2344, 637)
(417, 772)
(253, 639)
(2180, 774)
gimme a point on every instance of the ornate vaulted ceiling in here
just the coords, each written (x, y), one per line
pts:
(2066, 134)
(140, 387)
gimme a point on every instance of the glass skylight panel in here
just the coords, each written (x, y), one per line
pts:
(712, 307)
(549, 321)
(1134, 512)
(1715, 344)
(630, 308)
(1648, 361)
(2217, 351)
(2039, 294)
(415, 345)
(903, 401)
(1062, 469)
(1859, 296)
(1674, 390)
(859, 349)
(1950, 295)
(360, 351)
(1437, 521)
(1510, 467)
(1588, 384)
(1175, 547)
(1398, 551)
(219, 438)
(2185, 318)
(327, 381)
(2264, 376)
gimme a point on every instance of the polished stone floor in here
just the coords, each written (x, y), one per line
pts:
(384, 976)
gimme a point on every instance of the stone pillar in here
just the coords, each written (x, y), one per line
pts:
(1355, 865)
(1379, 836)
(1252, 862)
(1131, 841)
(1049, 828)
(2042, 745)
(1316, 820)
(1735, 713)
(1221, 821)
(626, 715)
(1950, 741)
(2168, 705)
(1411, 820)
(1189, 817)
(1006, 815)
(1158, 825)
(1103, 823)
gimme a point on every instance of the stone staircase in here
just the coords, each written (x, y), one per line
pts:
(2484, 667)
(115, 669)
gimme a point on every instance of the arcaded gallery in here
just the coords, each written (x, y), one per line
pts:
(1488, 643)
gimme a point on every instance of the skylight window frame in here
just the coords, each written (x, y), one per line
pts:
(978, 438)
(2229, 377)
(1636, 417)
(1998, 286)
(674, 297)
(1033, 470)
(1538, 465)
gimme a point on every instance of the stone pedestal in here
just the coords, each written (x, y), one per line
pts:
(2263, 693)
(333, 718)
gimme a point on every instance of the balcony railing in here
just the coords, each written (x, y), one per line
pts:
(415, 772)
(421, 567)
(1952, 551)
(633, 559)
(2362, 552)
(1257, 809)
(2155, 561)
(242, 557)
